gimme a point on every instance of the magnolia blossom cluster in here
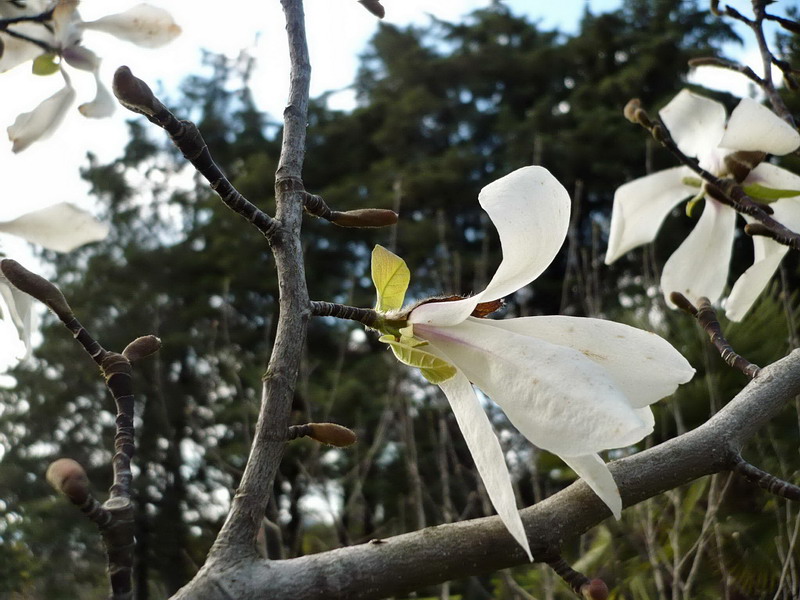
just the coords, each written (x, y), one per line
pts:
(573, 386)
(700, 265)
(56, 42)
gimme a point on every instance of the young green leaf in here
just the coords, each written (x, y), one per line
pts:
(433, 368)
(761, 192)
(45, 64)
(391, 278)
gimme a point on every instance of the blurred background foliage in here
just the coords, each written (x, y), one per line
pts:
(442, 110)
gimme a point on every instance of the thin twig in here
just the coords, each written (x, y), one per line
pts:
(771, 483)
(707, 317)
(367, 316)
(135, 95)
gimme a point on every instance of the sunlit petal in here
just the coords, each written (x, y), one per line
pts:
(767, 255)
(753, 126)
(641, 205)
(144, 25)
(695, 122)
(20, 311)
(486, 452)
(699, 267)
(530, 210)
(595, 473)
(774, 177)
(42, 120)
(61, 227)
(17, 51)
(103, 104)
(557, 398)
(642, 364)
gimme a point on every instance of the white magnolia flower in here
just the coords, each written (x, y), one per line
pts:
(572, 386)
(699, 267)
(61, 227)
(143, 25)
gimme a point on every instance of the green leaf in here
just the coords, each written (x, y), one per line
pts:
(433, 368)
(45, 64)
(391, 278)
(760, 192)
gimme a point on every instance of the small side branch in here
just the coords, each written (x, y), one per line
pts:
(707, 317)
(590, 589)
(364, 217)
(135, 95)
(771, 483)
(367, 316)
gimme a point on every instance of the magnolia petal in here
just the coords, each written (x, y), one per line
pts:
(641, 205)
(81, 58)
(595, 473)
(487, 454)
(61, 227)
(530, 210)
(143, 25)
(696, 123)
(767, 256)
(20, 311)
(42, 120)
(103, 104)
(774, 177)
(753, 126)
(17, 51)
(642, 364)
(699, 267)
(527, 378)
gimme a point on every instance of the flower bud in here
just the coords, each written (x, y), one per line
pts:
(365, 217)
(331, 434)
(68, 477)
(630, 109)
(141, 347)
(135, 94)
(596, 589)
(374, 6)
(36, 286)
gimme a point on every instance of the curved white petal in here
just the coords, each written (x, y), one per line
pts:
(767, 255)
(103, 104)
(696, 123)
(774, 177)
(486, 452)
(642, 364)
(61, 227)
(595, 473)
(699, 267)
(641, 205)
(20, 311)
(144, 25)
(557, 398)
(530, 210)
(17, 51)
(753, 126)
(42, 120)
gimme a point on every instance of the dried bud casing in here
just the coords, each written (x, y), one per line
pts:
(715, 8)
(331, 434)
(374, 6)
(365, 217)
(68, 477)
(141, 347)
(739, 164)
(36, 286)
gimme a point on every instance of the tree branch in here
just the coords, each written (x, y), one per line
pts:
(406, 562)
(236, 541)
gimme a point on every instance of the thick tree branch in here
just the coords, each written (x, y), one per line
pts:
(399, 564)
(236, 540)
